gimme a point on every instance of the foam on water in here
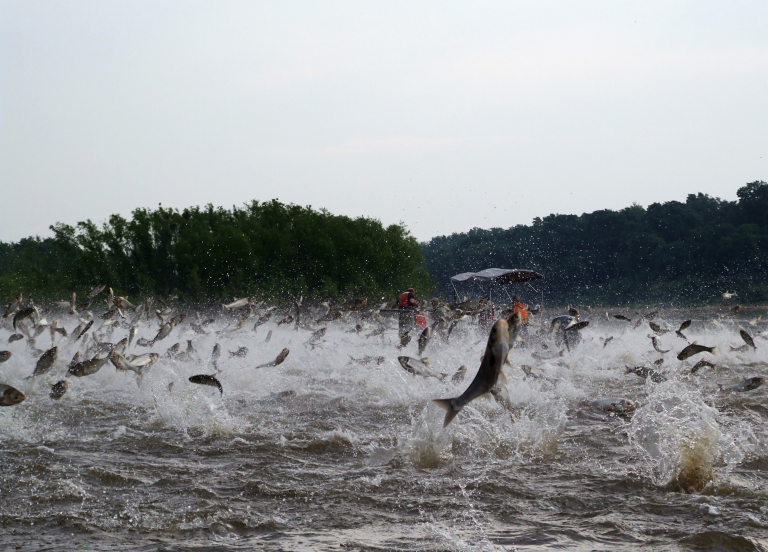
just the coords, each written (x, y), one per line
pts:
(362, 446)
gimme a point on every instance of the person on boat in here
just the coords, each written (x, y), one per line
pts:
(522, 308)
(407, 304)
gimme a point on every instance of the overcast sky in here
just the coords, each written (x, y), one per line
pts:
(443, 115)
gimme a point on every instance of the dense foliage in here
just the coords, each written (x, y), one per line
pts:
(268, 250)
(670, 252)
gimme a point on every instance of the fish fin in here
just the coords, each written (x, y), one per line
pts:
(425, 361)
(451, 411)
(712, 350)
(442, 376)
(503, 376)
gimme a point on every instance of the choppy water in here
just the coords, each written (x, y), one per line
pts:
(358, 460)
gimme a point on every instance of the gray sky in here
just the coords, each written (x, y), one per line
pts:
(443, 115)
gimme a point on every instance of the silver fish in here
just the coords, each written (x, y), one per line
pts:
(367, 360)
(13, 306)
(694, 349)
(46, 362)
(279, 360)
(419, 367)
(645, 373)
(656, 345)
(241, 352)
(701, 364)
(496, 352)
(59, 389)
(87, 367)
(95, 291)
(10, 396)
(237, 303)
(747, 385)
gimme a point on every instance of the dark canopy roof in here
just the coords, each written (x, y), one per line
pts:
(498, 275)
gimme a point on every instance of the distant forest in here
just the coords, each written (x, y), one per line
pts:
(266, 250)
(670, 253)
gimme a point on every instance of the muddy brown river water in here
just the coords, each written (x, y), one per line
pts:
(358, 459)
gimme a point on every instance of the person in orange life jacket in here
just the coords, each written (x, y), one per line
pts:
(407, 299)
(522, 308)
(407, 303)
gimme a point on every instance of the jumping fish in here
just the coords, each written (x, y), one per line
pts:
(15, 337)
(13, 305)
(496, 352)
(701, 364)
(5, 355)
(747, 385)
(165, 330)
(21, 315)
(95, 291)
(241, 352)
(576, 326)
(424, 340)
(205, 379)
(645, 373)
(236, 304)
(458, 377)
(85, 329)
(419, 367)
(694, 349)
(747, 339)
(405, 339)
(656, 345)
(10, 396)
(316, 336)
(87, 367)
(59, 389)
(75, 359)
(46, 362)
(279, 360)
(367, 360)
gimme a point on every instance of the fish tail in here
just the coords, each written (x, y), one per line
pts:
(712, 350)
(451, 411)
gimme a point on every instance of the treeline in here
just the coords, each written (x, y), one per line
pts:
(670, 253)
(267, 250)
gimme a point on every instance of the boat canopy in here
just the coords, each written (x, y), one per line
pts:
(498, 275)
